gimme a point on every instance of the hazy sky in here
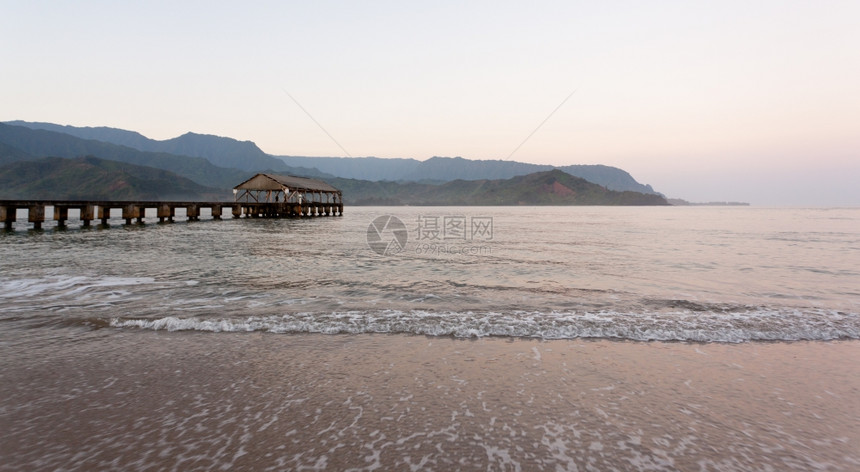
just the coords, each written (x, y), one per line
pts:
(727, 100)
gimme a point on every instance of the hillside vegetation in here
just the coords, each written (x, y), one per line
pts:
(45, 161)
(91, 178)
(541, 188)
(245, 155)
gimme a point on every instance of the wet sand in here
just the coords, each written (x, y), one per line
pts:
(140, 400)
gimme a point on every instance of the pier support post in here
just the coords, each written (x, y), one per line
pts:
(61, 214)
(130, 212)
(87, 213)
(216, 212)
(7, 216)
(193, 212)
(36, 215)
(237, 210)
(104, 214)
(165, 211)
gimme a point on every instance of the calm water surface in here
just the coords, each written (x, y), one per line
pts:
(291, 344)
(703, 274)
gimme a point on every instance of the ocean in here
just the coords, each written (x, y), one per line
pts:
(436, 338)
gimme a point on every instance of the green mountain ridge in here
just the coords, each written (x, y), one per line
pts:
(42, 143)
(10, 154)
(220, 151)
(91, 178)
(445, 169)
(553, 187)
(245, 155)
(124, 172)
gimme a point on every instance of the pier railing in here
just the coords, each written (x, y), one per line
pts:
(135, 211)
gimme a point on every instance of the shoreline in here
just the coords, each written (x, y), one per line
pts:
(174, 400)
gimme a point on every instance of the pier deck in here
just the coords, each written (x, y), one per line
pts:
(135, 211)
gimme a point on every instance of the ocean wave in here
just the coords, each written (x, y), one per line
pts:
(56, 286)
(731, 327)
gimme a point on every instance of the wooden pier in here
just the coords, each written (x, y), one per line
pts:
(135, 212)
(262, 196)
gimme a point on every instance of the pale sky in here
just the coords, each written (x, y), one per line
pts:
(749, 100)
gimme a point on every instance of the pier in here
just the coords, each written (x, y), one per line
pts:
(134, 212)
(262, 196)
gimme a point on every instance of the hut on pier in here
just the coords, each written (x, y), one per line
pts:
(290, 195)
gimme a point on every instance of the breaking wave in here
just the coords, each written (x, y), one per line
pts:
(733, 327)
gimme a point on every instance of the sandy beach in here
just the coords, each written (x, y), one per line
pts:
(180, 401)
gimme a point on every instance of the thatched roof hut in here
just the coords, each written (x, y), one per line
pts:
(286, 188)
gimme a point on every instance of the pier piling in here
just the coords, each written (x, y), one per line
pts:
(192, 212)
(61, 214)
(36, 215)
(87, 214)
(164, 211)
(104, 214)
(130, 212)
(8, 216)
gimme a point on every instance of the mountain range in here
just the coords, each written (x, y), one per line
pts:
(444, 169)
(91, 178)
(245, 155)
(26, 144)
(552, 187)
(221, 152)
(213, 162)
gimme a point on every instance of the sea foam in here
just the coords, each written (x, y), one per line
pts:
(754, 325)
(63, 285)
